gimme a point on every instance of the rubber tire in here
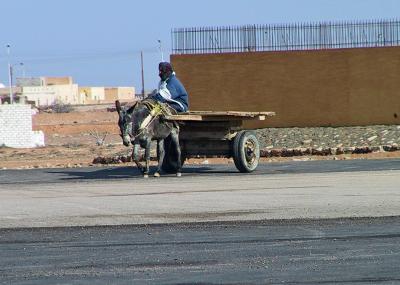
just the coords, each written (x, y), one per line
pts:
(239, 152)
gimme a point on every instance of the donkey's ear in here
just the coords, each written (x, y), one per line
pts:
(130, 110)
(118, 106)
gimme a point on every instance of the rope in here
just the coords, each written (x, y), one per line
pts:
(156, 109)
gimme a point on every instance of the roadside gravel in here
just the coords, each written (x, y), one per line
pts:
(328, 140)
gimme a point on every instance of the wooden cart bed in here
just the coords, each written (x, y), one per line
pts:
(209, 133)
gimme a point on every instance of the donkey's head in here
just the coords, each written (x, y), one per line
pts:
(125, 122)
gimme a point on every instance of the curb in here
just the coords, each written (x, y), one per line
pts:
(289, 152)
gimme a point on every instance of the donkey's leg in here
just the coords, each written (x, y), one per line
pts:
(175, 141)
(161, 155)
(135, 156)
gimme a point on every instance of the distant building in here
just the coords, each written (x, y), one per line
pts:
(119, 93)
(44, 81)
(44, 91)
(91, 95)
(99, 95)
(48, 95)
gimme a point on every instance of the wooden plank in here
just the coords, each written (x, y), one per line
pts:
(184, 118)
(219, 116)
(230, 113)
(207, 135)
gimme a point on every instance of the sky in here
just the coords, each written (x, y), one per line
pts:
(98, 42)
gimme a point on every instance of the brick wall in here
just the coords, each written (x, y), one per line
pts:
(16, 127)
(343, 87)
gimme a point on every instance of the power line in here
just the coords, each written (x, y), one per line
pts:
(84, 56)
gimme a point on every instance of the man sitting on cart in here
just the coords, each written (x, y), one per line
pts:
(170, 89)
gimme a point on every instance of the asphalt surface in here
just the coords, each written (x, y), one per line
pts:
(120, 196)
(345, 251)
(317, 222)
(118, 173)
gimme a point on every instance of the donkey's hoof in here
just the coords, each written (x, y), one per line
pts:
(178, 174)
(157, 174)
(145, 176)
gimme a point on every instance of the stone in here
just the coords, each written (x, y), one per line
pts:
(348, 150)
(276, 152)
(387, 148)
(297, 152)
(339, 151)
(364, 149)
(265, 153)
(321, 151)
(377, 149)
(287, 152)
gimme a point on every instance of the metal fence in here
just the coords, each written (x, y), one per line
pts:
(286, 37)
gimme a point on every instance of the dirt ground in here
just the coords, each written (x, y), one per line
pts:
(71, 141)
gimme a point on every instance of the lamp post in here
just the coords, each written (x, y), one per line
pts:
(12, 69)
(162, 53)
(9, 74)
(22, 65)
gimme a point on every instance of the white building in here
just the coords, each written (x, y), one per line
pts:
(46, 91)
(48, 95)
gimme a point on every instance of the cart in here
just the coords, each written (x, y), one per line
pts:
(216, 134)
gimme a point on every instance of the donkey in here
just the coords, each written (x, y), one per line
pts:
(142, 123)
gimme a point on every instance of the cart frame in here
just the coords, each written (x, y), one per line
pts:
(221, 134)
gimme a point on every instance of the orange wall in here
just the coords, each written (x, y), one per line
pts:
(57, 80)
(343, 87)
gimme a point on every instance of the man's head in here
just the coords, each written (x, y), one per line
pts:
(165, 70)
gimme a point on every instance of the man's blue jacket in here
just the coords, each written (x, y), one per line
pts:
(172, 92)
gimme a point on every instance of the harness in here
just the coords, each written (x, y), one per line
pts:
(156, 109)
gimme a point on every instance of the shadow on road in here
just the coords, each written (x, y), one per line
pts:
(127, 172)
(130, 172)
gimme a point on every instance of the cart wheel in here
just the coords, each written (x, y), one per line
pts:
(246, 151)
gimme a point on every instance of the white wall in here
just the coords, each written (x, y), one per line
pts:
(47, 95)
(16, 127)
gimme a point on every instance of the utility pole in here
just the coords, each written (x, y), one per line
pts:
(141, 60)
(9, 74)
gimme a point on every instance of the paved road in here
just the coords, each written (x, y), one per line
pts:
(347, 251)
(117, 173)
(114, 196)
(285, 223)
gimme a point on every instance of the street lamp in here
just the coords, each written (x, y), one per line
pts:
(9, 74)
(21, 64)
(160, 47)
